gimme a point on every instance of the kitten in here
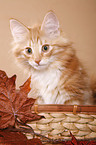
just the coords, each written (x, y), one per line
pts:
(57, 74)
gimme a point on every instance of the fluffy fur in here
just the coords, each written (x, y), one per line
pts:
(57, 75)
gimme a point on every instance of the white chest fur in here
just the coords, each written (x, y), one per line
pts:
(46, 83)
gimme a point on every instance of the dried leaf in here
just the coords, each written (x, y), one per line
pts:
(14, 138)
(74, 140)
(34, 141)
(15, 104)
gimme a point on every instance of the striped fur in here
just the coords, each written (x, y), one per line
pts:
(59, 78)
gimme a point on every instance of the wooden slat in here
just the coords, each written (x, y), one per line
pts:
(63, 108)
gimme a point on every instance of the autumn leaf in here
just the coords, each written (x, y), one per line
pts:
(14, 104)
(14, 138)
(74, 141)
(34, 141)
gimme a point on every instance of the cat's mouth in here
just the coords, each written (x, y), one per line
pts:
(39, 67)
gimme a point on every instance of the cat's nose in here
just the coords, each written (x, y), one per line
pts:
(37, 61)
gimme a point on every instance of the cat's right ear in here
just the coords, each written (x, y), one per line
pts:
(50, 25)
(18, 30)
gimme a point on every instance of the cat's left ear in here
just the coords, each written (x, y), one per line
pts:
(50, 25)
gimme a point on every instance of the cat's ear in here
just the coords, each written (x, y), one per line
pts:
(50, 25)
(18, 30)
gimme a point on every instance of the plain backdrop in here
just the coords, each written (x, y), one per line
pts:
(77, 19)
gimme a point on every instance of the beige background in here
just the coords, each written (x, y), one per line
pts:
(77, 19)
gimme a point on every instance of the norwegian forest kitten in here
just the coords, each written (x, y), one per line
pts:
(57, 74)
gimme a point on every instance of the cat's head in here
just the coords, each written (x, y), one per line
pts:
(37, 47)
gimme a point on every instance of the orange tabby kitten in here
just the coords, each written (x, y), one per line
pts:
(57, 74)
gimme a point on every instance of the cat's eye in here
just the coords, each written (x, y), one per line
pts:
(29, 50)
(45, 48)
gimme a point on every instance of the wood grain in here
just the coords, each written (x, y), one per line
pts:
(64, 108)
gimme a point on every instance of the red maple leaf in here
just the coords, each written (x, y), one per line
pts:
(74, 141)
(15, 104)
(14, 138)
